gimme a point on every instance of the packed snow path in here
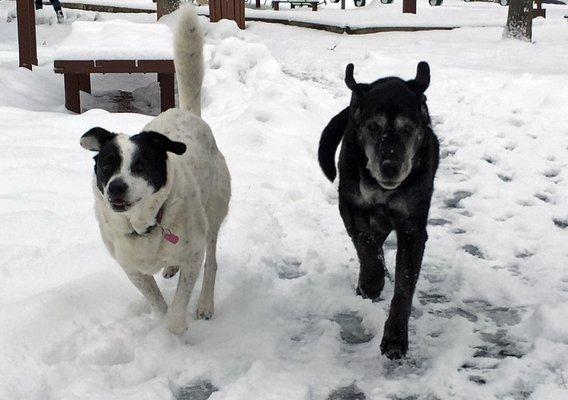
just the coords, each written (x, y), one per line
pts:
(490, 317)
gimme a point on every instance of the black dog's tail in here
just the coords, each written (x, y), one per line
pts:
(330, 138)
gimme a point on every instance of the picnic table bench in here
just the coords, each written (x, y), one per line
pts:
(293, 3)
(115, 47)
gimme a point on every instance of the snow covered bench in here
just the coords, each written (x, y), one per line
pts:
(115, 47)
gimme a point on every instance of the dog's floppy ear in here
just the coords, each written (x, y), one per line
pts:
(163, 142)
(96, 138)
(422, 80)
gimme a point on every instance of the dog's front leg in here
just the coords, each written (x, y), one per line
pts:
(368, 242)
(408, 262)
(188, 274)
(147, 285)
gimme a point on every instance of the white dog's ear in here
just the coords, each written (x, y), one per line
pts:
(96, 138)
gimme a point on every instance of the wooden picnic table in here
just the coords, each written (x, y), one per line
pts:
(115, 47)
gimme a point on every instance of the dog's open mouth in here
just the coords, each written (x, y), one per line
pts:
(120, 205)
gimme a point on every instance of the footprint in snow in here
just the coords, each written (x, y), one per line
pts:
(426, 298)
(290, 270)
(562, 223)
(351, 392)
(551, 173)
(497, 346)
(545, 197)
(474, 251)
(505, 177)
(352, 330)
(199, 391)
(457, 197)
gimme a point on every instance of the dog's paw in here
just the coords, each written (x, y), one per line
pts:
(176, 324)
(169, 272)
(372, 292)
(394, 348)
(205, 310)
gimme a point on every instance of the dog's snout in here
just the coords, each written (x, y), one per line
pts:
(117, 188)
(389, 169)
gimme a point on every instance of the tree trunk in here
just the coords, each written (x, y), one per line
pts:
(519, 20)
(165, 7)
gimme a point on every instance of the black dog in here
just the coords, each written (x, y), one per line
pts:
(387, 164)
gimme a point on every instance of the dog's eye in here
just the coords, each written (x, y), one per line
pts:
(107, 163)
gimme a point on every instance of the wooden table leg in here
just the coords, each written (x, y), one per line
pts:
(72, 99)
(409, 6)
(167, 95)
(84, 81)
(257, 4)
(26, 33)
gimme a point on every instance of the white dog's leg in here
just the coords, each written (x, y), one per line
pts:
(188, 274)
(149, 288)
(205, 305)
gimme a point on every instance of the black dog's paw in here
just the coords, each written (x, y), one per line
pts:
(372, 292)
(394, 348)
(394, 345)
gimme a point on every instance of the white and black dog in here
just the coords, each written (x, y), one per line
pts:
(161, 195)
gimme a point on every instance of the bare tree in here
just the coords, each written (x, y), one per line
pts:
(519, 20)
(165, 7)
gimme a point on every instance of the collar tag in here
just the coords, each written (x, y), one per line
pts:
(169, 235)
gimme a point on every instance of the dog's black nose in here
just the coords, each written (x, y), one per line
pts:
(117, 188)
(389, 169)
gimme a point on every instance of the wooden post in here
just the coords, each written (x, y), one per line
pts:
(27, 33)
(84, 81)
(164, 7)
(343, 4)
(228, 9)
(167, 96)
(409, 6)
(72, 99)
(538, 11)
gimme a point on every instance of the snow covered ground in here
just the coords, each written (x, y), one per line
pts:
(490, 318)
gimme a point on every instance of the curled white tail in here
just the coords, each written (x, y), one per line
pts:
(188, 59)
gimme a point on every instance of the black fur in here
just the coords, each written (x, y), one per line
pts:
(149, 161)
(370, 124)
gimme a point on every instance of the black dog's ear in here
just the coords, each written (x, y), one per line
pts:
(96, 138)
(422, 80)
(163, 142)
(349, 80)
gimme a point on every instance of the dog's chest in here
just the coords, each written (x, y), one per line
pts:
(146, 254)
(371, 195)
